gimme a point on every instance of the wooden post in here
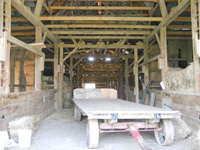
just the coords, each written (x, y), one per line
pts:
(126, 78)
(22, 77)
(78, 77)
(55, 65)
(136, 89)
(60, 89)
(163, 39)
(107, 82)
(56, 73)
(195, 46)
(6, 67)
(12, 71)
(145, 68)
(71, 75)
(38, 62)
(121, 82)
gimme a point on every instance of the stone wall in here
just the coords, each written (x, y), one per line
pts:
(16, 105)
(187, 104)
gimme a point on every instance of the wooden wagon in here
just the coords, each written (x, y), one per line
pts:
(106, 113)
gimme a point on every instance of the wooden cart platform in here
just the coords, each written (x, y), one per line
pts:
(106, 108)
(106, 113)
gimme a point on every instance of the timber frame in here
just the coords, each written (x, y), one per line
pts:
(67, 32)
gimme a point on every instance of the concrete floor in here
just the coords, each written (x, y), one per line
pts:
(61, 132)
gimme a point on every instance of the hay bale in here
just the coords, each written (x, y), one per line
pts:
(182, 130)
(194, 141)
(181, 80)
(27, 122)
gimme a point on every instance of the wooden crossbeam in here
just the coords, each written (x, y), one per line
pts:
(103, 46)
(170, 18)
(100, 26)
(101, 37)
(92, 18)
(90, 32)
(77, 62)
(38, 8)
(97, 8)
(31, 17)
(24, 45)
(72, 52)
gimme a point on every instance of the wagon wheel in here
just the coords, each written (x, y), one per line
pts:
(93, 133)
(166, 136)
(77, 114)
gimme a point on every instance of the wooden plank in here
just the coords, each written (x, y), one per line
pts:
(163, 39)
(195, 46)
(55, 65)
(92, 18)
(163, 8)
(123, 108)
(101, 37)
(38, 8)
(38, 62)
(126, 78)
(105, 32)
(136, 89)
(1, 18)
(114, 46)
(6, 66)
(34, 45)
(22, 77)
(73, 51)
(98, 8)
(98, 26)
(71, 76)
(24, 45)
(60, 89)
(77, 62)
(31, 17)
(12, 71)
(170, 18)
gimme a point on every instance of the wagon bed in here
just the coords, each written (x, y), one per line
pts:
(103, 108)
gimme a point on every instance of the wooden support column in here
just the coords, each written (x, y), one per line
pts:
(55, 65)
(121, 82)
(145, 68)
(126, 78)
(22, 77)
(38, 62)
(164, 62)
(56, 74)
(195, 46)
(6, 66)
(71, 75)
(60, 88)
(78, 77)
(108, 81)
(136, 89)
(12, 71)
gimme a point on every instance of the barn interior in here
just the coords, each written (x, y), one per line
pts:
(147, 50)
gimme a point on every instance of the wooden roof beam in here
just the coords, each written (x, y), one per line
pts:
(170, 18)
(98, 8)
(32, 18)
(92, 18)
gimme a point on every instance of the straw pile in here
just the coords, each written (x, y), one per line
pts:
(181, 129)
(28, 122)
(194, 141)
(180, 80)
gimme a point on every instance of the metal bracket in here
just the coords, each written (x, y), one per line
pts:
(114, 116)
(157, 116)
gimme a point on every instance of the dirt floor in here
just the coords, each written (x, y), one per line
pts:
(61, 132)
